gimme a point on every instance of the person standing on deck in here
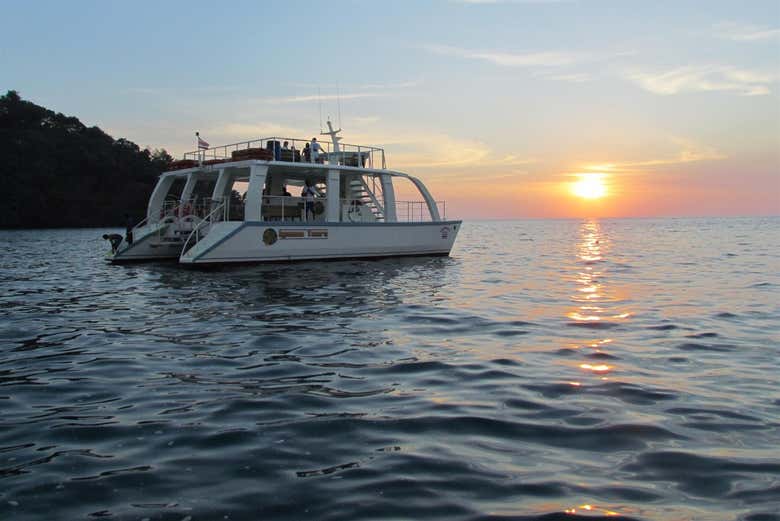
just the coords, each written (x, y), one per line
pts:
(316, 149)
(129, 224)
(309, 193)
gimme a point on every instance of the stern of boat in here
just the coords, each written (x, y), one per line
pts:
(151, 241)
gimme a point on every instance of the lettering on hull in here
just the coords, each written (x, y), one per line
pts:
(303, 234)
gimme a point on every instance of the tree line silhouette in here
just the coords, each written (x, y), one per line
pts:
(56, 172)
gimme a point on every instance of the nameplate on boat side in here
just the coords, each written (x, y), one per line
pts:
(297, 233)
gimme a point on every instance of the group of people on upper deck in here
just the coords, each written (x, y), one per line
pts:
(312, 152)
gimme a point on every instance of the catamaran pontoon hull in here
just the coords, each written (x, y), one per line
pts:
(234, 242)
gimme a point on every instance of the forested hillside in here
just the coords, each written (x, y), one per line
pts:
(57, 172)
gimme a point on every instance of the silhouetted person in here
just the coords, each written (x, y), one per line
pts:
(309, 193)
(115, 239)
(129, 228)
(316, 150)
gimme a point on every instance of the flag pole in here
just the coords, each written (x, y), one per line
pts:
(197, 147)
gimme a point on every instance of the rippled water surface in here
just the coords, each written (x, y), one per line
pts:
(590, 367)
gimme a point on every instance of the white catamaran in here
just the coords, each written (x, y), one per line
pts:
(347, 206)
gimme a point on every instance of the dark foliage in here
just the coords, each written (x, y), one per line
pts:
(56, 172)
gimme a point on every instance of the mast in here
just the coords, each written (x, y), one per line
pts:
(335, 138)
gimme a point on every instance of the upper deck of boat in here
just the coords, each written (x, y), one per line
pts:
(286, 153)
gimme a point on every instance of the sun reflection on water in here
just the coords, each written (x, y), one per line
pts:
(591, 509)
(592, 251)
(594, 300)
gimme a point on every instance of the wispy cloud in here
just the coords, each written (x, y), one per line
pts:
(487, 2)
(328, 87)
(704, 79)
(574, 77)
(335, 92)
(392, 86)
(323, 97)
(364, 120)
(195, 90)
(688, 152)
(745, 33)
(230, 132)
(505, 59)
(535, 59)
(436, 151)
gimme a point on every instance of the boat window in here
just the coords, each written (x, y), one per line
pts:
(177, 187)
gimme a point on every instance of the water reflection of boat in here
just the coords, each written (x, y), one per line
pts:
(347, 208)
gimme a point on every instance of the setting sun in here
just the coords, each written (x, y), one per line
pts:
(589, 186)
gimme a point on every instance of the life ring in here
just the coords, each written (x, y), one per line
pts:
(269, 236)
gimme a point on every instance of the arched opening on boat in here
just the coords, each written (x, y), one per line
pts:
(173, 196)
(413, 203)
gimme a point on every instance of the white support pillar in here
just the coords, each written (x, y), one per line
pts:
(186, 194)
(333, 208)
(158, 198)
(434, 211)
(388, 194)
(220, 188)
(254, 194)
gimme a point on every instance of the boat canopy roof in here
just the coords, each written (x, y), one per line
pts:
(293, 170)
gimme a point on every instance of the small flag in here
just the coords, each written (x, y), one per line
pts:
(201, 144)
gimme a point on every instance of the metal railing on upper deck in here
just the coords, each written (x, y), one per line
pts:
(362, 156)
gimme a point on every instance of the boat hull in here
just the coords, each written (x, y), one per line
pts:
(242, 242)
(158, 241)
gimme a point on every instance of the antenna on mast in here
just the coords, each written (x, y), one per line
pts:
(338, 100)
(319, 101)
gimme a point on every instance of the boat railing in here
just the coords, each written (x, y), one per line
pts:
(278, 208)
(362, 209)
(197, 206)
(218, 214)
(362, 156)
(291, 209)
(418, 211)
(140, 225)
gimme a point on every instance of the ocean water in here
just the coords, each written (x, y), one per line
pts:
(546, 370)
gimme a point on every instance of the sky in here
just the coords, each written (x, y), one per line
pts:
(503, 108)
